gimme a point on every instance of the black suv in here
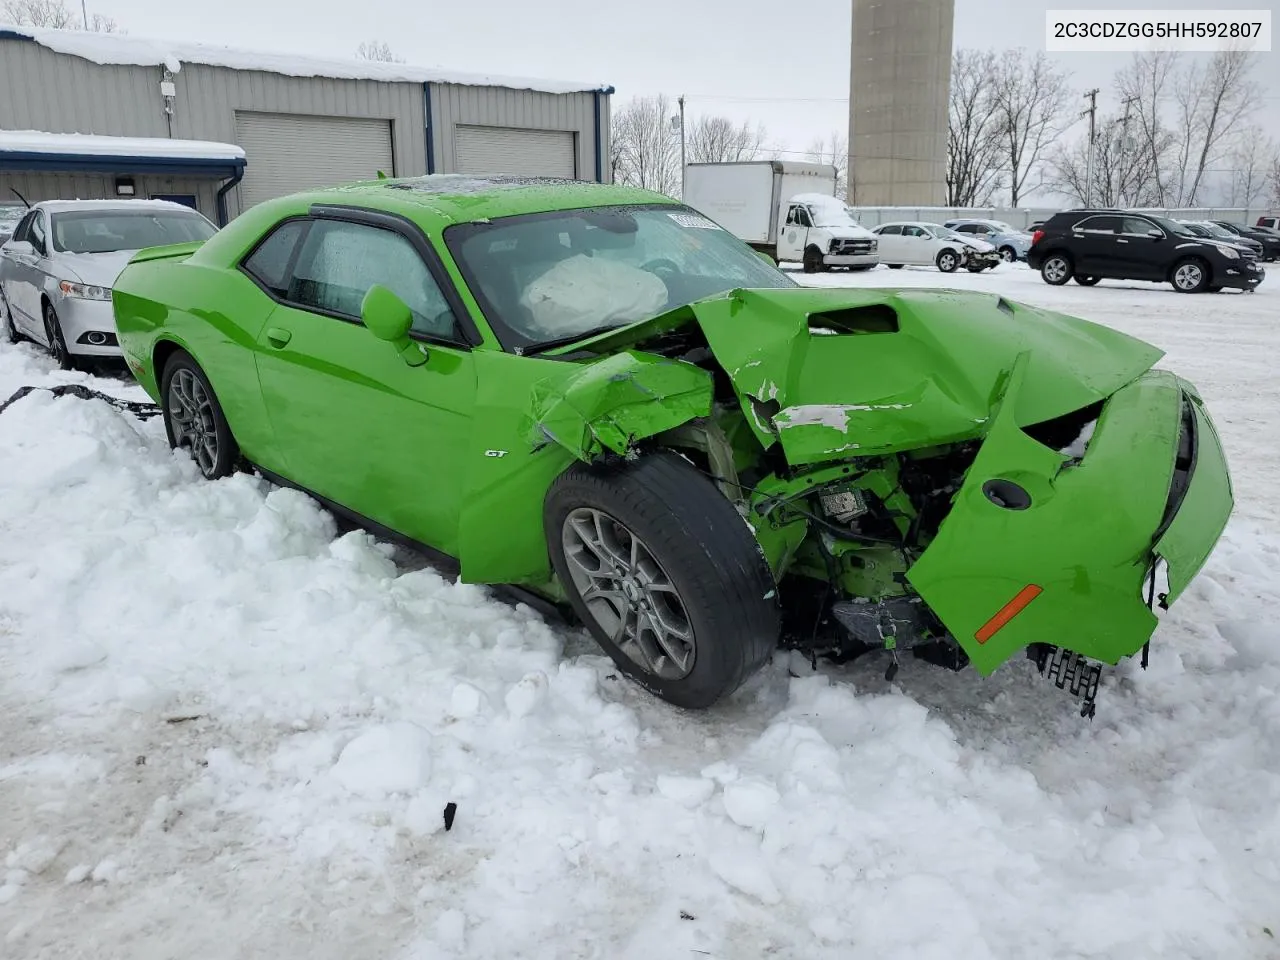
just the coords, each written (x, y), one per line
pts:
(1091, 245)
(1269, 242)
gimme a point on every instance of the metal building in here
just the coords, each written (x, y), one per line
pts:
(900, 84)
(300, 122)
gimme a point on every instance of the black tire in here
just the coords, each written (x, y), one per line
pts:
(1056, 269)
(57, 342)
(861, 267)
(1008, 254)
(208, 438)
(724, 590)
(947, 260)
(895, 266)
(1190, 275)
(977, 267)
(813, 260)
(7, 327)
(1214, 288)
(1086, 281)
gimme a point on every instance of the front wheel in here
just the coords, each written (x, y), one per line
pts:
(194, 420)
(1086, 281)
(813, 260)
(1008, 254)
(895, 266)
(1056, 270)
(57, 343)
(1190, 276)
(948, 261)
(665, 574)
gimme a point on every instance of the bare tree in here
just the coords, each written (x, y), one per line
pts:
(835, 151)
(55, 14)
(1250, 160)
(378, 50)
(1212, 104)
(1273, 181)
(720, 140)
(1030, 96)
(1123, 169)
(973, 131)
(645, 149)
(1142, 86)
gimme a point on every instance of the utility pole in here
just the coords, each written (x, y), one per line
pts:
(84, 12)
(682, 147)
(1091, 113)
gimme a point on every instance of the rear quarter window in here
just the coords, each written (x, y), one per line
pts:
(269, 263)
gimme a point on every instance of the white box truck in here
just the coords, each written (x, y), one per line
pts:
(787, 210)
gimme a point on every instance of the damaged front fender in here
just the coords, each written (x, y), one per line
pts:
(610, 404)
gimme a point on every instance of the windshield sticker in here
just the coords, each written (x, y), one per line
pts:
(693, 221)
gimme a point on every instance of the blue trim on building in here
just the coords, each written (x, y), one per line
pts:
(430, 132)
(14, 35)
(99, 163)
(599, 145)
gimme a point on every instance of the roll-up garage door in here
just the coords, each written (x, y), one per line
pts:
(509, 151)
(286, 153)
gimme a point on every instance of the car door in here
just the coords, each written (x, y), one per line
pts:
(355, 422)
(1095, 249)
(1140, 254)
(19, 274)
(917, 245)
(889, 243)
(795, 233)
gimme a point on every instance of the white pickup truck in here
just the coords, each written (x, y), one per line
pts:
(787, 210)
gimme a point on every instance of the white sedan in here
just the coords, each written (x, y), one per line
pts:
(923, 244)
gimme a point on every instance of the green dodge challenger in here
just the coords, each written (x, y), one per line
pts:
(600, 397)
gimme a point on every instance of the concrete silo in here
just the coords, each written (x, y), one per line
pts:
(899, 87)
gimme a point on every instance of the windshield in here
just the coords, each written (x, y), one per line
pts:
(1195, 229)
(107, 231)
(1222, 233)
(545, 276)
(834, 214)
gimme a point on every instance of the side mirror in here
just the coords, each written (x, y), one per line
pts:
(22, 247)
(1155, 234)
(389, 318)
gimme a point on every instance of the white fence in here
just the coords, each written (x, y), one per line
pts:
(1025, 216)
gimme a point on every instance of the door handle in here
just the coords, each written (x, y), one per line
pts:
(1122, 241)
(278, 337)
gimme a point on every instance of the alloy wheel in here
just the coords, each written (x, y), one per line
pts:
(1008, 255)
(947, 262)
(628, 593)
(57, 345)
(192, 420)
(1055, 270)
(1188, 276)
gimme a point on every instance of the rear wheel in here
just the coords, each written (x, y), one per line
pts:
(1056, 269)
(1008, 254)
(1190, 276)
(194, 420)
(895, 266)
(665, 574)
(57, 342)
(1086, 281)
(947, 260)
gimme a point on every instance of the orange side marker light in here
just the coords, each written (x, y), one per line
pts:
(1008, 612)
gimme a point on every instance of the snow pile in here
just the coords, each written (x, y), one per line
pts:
(218, 703)
(116, 48)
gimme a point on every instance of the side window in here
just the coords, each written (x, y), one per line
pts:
(1100, 225)
(802, 217)
(791, 216)
(912, 232)
(1137, 227)
(36, 234)
(269, 263)
(971, 228)
(24, 227)
(340, 261)
(891, 231)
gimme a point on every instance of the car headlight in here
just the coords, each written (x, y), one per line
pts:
(875, 245)
(84, 291)
(1231, 253)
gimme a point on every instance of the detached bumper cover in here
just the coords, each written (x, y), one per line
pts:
(1143, 507)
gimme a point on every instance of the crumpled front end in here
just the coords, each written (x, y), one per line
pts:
(1083, 548)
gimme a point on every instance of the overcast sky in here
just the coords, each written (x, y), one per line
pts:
(785, 65)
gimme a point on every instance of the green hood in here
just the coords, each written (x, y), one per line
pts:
(834, 373)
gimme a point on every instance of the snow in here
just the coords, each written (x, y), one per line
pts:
(219, 703)
(35, 141)
(115, 48)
